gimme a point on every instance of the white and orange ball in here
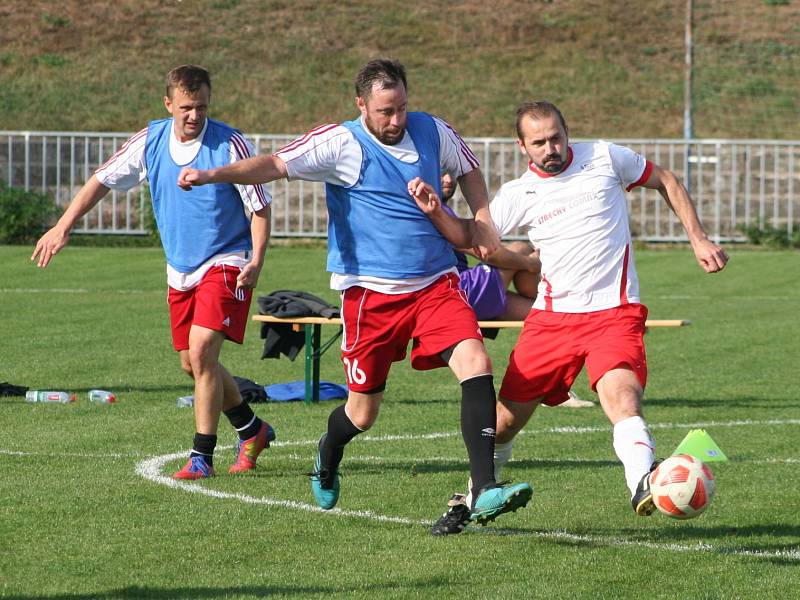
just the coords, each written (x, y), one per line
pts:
(682, 486)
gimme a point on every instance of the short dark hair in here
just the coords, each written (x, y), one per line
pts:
(389, 73)
(538, 109)
(187, 77)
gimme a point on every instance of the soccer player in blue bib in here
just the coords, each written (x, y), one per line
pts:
(395, 271)
(214, 253)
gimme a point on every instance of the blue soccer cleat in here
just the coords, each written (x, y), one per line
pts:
(196, 468)
(324, 483)
(494, 501)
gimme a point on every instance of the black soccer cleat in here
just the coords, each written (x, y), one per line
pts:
(642, 500)
(455, 519)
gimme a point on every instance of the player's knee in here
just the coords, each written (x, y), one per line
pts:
(186, 364)
(364, 422)
(512, 418)
(470, 359)
(201, 359)
(471, 366)
(363, 407)
(483, 364)
(364, 419)
(187, 368)
(506, 428)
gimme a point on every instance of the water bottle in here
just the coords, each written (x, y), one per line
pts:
(185, 401)
(49, 396)
(102, 397)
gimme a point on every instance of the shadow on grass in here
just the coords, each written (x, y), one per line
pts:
(705, 539)
(256, 591)
(688, 530)
(458, 464)
(455, 398)
(189, 385)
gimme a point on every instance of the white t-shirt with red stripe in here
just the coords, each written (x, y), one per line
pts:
(578, 220)
(127, 168)
(331, 154)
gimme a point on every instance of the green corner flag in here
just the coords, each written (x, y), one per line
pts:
(699, 444)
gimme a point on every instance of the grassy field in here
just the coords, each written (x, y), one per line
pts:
(87, 509)
(615, 68)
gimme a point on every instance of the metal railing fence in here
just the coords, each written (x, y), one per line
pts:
(734, 183)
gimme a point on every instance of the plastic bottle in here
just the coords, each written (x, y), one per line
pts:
(185, 401)
(102, 397)
(49, 396)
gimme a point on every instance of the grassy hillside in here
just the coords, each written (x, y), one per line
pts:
(616, 68)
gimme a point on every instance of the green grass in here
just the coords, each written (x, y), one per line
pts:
(77, 520)
(615, 68)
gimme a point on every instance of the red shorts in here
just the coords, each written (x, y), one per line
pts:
(553, 348)
(212, 304)
(378, 327)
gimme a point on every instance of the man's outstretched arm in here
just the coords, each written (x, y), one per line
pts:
(710, 256)
(57, 237)
(250, 171)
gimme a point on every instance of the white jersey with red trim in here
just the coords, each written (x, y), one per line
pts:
(331, 154)
(578, 220)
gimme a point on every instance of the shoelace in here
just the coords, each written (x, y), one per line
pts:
(324, 476)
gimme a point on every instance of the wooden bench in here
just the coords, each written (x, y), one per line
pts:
(314, 349)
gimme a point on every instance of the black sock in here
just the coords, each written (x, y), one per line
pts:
(478, 420)
(204, 445)
(340, 431)
(244, 420)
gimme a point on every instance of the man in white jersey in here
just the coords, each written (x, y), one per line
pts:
(214, 253)
(486, 285)
(395, 271)
(588, 311)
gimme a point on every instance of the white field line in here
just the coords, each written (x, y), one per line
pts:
(150, 469)
(670, 547)
(592, 429)
(366, 458)
(453, 434)
(75, 291)
(113, 455)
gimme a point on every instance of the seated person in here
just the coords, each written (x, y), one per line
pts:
(486, 285)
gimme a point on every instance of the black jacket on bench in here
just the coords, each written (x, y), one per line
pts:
(280, 338)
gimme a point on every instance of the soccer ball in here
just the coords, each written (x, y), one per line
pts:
(682, 486)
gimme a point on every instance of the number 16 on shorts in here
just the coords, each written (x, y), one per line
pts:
(354, 374)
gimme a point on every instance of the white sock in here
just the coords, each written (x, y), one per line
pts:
(635, 448)
(502, 454)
